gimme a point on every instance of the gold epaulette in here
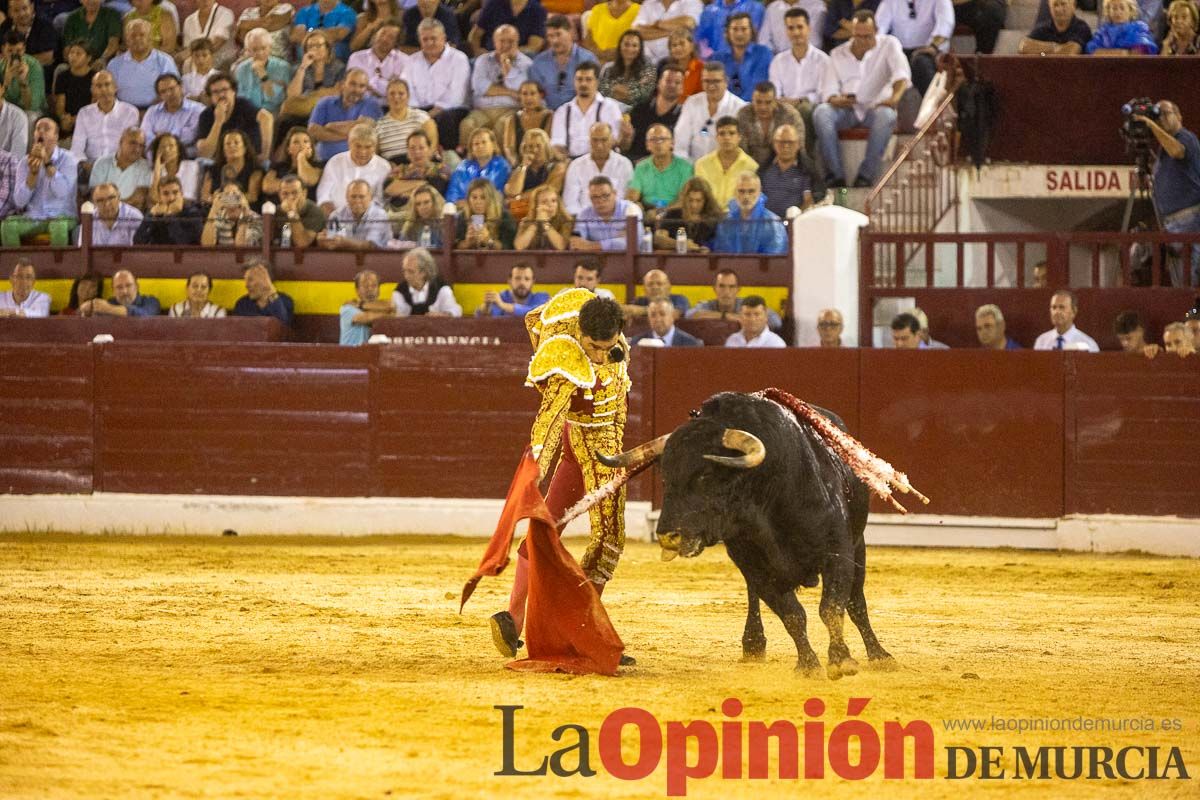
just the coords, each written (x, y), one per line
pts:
(561, 355)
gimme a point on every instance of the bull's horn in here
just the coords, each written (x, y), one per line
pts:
(643, 453)
(753, 448)
(669, 542)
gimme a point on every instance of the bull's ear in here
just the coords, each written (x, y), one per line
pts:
(695, 412)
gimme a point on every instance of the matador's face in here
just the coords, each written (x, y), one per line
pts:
(597, 349)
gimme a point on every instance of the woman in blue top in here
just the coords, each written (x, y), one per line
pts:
(485, 162)
(1121, 32)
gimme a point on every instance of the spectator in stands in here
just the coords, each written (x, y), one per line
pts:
(606, 23)
(231, 222)
(358, 315)
(22, 81)
(695, 133)
(1183, 35)
(530, 115)
(375, 16)
(167, 161)
(588, 271)
(797, 72)
(657, 180)
(924, 36)
(485, 162)
(8, 183)
(754, 332)
(774, 33)
(261, 77)
(658, 19)
(22, 300)
(761, 118)
(128, 169)
(1177, 340)
(483, 222)
(989, 327)
(656, 286)
(361, 224)
(554, 68)
(400, 121)
(1040, 276)
(496, 81)
(423, 10)
(439, 77)
(528, 17)
(697, 212)
(539, 165)
(1064, 34)
(173, 114)
(830, 327)
(1177, 181)
(927, 340)
(197, 304)
(905, 329)
(722, 167)
(115, 221)
(299, 159)
(127, 300)
(423, 217)
(83, 289)
(1130, 331)
(262, 299)
(1121, 31)
(359, 162)
(333, 18)
(422, 291)
(421, 169)
(44, 189)
(304, 218)
(381, 62)
(236, 163)
(874, 62)
(98, 27)
(214, 22)
(14, 128)
(37, 31)
(1064, 335)
(334, 116)
(318, 75)
(840, 18)
(727, 304)
(747, 64)
(162, 23)
(601, 160)
(630, 77)
(660, 313)
(172, 219)
(230, 112)
(547, 226)
(274, 17)
(601, 226)
(684, 57)
(515, 301)
(790, 178)
(750, 226)
(195, 77)
(985, 18)
(72, 88)
(136, 70)
(710, 32)
(570, 131)
(99, 126)
(661, 108)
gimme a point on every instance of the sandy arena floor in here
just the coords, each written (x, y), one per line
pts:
(302, 668)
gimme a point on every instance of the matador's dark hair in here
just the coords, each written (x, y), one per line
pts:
(601, 318)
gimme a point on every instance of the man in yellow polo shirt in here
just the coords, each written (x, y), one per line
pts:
(722, 166)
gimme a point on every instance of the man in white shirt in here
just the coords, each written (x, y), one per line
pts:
(754, 332)
(496, 82)
(100, 125)
(600, 161)
(774, 33)
(423, 292)
(360, 162)
(22, 300)
(381, 61)
(658, 19)
(570, 131)
(924, 28)
(863, 84)
(798, 71)
(696, 130)
(1064, 335)
(439, 77)
(115, 221)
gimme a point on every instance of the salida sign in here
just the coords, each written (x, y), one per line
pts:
(1087, 180)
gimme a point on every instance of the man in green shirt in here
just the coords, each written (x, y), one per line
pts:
(99, 27)
(657, 180)
(21, 76)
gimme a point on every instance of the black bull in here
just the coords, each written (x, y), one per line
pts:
(788, 510)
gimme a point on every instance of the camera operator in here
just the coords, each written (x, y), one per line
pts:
(1177, 181)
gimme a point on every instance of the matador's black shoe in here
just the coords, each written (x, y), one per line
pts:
(504, 634)
(628, 661)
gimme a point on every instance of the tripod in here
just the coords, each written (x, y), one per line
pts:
(1140, 189)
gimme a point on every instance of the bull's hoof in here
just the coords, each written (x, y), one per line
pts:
(753, 656)
(885, 664)
(840, 669)
(809, 666)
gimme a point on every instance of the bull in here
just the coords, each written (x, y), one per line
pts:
(747, 472)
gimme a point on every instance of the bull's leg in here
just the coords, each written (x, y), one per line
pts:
(754, 641)
(857, 609)
(836, 579)
(791, 613)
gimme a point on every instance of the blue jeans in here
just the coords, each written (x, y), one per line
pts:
(829, 120)
(1185, 222)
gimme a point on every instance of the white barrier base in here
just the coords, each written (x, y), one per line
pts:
(154, 514)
